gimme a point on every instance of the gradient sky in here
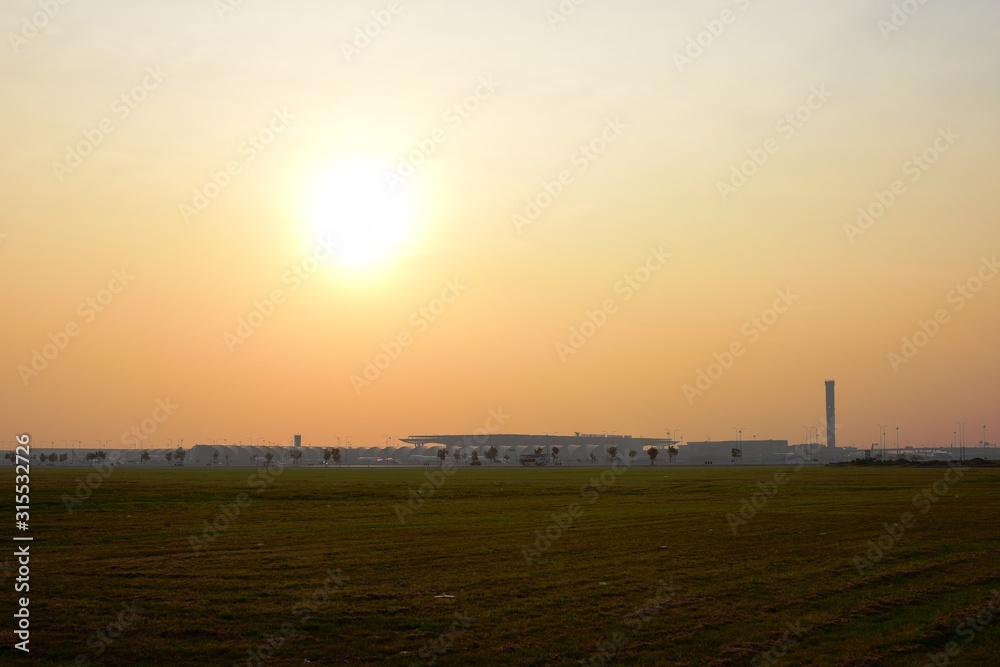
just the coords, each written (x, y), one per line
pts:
(495, 346)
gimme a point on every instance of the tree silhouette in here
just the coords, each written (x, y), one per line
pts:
(631, 454)
(457, 455)
(144, 457)
(491, 454)
(169, 456)
(475, 456)
(269, 457)
(215, 457)
(555, 455)
(652, 452)
(612, 453)
(736, 453)
(672, 452)
(180, 453)
(335, 455)
(442, 454)
(296, 455)
(327, 453)
(506, 458)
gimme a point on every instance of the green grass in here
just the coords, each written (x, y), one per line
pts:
(734, 595)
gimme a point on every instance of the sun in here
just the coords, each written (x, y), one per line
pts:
(368, 220)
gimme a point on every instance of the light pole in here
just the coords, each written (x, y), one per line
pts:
(897, 442)
(961, 440)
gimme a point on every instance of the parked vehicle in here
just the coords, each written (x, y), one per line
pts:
(534, 459)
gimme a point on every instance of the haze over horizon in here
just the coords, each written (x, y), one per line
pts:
(283, 227)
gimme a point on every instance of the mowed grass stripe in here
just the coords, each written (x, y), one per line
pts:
(735, 592)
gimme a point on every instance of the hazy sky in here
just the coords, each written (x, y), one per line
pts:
(195, 160)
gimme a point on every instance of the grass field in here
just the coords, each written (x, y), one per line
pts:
(649, 572)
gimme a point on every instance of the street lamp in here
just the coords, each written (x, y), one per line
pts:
(961, 440)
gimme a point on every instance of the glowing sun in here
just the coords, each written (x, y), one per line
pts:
(353, 204)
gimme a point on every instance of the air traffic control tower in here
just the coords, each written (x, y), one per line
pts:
(831, 417)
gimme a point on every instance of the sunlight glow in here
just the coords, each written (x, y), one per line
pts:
(368, 220)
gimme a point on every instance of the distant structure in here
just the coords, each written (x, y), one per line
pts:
(751, 451)
(591, 442)
(298, 441)
(831, 417)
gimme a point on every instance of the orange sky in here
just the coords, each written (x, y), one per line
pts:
(467, 188)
